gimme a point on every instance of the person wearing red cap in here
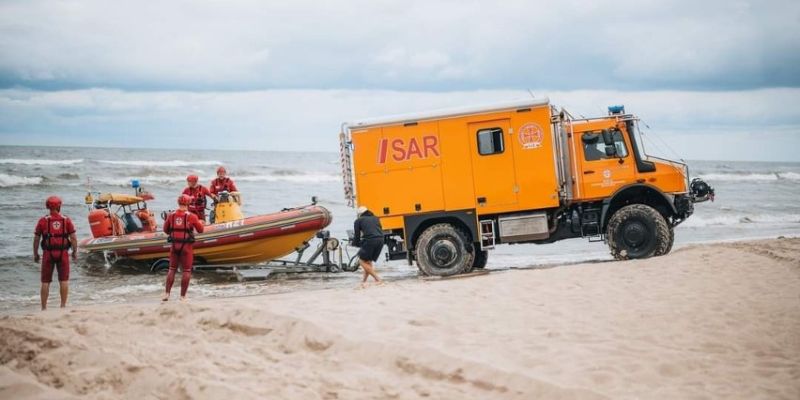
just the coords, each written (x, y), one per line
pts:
(180, 227)
(198, 194)
(56, 234)
(222, 182)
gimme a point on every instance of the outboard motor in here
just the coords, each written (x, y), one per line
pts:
(701, 191)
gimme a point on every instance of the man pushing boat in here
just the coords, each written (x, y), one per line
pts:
(180, 226)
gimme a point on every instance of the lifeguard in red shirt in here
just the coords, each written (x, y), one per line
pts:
(181, 227)
(222, 183)
(56, 235)
(198, 194)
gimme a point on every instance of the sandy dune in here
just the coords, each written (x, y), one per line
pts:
(706, 322)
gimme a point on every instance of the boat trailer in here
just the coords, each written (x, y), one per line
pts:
(333, 253)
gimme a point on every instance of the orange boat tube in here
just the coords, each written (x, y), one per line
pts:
(251, 240)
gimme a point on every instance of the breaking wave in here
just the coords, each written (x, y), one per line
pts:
(12, 181)
(39, 162)
(773, 176)
(726, 220)
(149, 163)
(294, 177)
(298, 177)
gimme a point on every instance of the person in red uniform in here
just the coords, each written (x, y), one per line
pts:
(56, 234)
(198, 194)
(181, 226)
(222, 182)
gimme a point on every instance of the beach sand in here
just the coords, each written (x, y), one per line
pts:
(717, 321)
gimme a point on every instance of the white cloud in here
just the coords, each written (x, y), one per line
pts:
(406, 45)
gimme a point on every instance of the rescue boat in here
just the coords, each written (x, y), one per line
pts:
(254, 239)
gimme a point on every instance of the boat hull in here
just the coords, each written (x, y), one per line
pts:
(251, 240)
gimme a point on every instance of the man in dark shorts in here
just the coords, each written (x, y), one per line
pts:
(56, 234)
(368, 235)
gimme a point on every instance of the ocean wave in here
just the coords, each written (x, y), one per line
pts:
(172, 179)
(39, 162)
(727, 220)
(68, 176)
(129, 290)
(12, 180)
(174, 163)
(772, 176)
(297, 178)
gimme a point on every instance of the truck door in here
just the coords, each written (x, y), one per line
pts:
(493, 164)
(602, 175)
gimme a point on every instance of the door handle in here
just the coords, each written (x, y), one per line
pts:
(481, 200)
(588, 172)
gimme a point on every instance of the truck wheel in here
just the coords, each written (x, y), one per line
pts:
(671, 240)
(443, 250)
(481, 257)
(637, 231)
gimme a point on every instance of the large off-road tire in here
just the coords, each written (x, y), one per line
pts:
(669, 243)
(481, 258)
(443, 250)
(637, 231)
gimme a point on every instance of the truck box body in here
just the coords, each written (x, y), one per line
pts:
(456, 160)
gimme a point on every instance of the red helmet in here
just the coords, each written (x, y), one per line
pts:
(53, 202)
(192, 179)
(184, 200)
(222, 169)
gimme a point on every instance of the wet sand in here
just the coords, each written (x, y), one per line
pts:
(718, 321)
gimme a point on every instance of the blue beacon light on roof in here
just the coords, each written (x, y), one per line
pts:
(617, 109)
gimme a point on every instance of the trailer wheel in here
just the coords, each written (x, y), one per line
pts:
(671, 240)
(353, 264)
(443, 250)
(160, 265)
(481, 257)
(637, 231)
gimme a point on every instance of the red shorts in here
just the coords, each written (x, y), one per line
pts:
(51, 260)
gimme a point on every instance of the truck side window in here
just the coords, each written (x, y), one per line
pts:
(594, 148)
(490, 141)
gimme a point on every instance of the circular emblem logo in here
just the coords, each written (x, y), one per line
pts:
(530, 136)
(179, 221)
(56, 225)
(607, 173)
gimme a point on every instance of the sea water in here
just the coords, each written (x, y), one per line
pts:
(754, 200)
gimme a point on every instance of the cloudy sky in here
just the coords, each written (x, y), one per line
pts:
(712, 79)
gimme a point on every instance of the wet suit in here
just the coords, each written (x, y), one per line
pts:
(222, 185)
(198, 195)
(368, 235)
(55, 230)
(180, 226)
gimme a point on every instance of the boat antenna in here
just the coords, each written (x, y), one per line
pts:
(530, 92)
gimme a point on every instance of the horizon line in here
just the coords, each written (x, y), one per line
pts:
(305, 151)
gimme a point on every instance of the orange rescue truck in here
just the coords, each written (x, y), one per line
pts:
(450, 185)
